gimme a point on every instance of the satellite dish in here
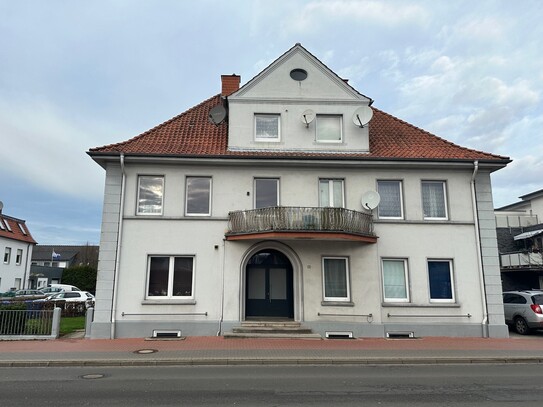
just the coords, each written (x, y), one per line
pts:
(370, 200)
(1, 206)
(217, 115)
(362, 116)
(307, 117)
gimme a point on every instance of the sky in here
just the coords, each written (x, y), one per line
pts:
(80, 74)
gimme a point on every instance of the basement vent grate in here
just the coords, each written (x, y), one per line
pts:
(166, 334)
(400, 335)
(339, 335)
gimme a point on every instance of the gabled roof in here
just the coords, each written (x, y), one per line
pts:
(67, 253)
(12, 228)
(190, 134)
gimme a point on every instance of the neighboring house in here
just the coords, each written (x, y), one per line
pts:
(48, 262)
(520, 242)
(256, 204)
(16, 244)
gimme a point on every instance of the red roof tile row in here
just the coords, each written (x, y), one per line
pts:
(191, 134)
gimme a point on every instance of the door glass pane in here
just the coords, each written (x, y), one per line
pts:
(257, 283)
(278, 284)
(266, 192)
(324, 192)
(337, 194)
(158, 276)
(182, 277)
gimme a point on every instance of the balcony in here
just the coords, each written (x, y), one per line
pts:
(522, 260)
(282, 222)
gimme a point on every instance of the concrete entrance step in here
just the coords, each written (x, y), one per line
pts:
(271, 329)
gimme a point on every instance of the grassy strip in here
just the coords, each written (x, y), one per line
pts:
(71, 324)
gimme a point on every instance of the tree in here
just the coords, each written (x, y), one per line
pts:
(83, 277)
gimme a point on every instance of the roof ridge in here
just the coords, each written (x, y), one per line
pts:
(439, 137)
(186, 112)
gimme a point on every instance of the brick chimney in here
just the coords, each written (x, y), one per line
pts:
(230, 83)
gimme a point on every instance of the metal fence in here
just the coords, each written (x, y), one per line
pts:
(29, 324)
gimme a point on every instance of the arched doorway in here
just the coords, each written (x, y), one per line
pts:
(269, 285)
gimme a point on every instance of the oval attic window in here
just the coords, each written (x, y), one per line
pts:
(298, 74)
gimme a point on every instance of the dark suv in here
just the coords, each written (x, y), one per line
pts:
(523, 310)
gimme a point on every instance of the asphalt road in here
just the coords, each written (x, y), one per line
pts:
(453, 385)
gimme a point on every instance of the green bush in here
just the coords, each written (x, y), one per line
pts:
(83, 277)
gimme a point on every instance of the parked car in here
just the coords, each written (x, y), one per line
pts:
(73, 296)
(64, 287)
(51, 290)
(523, 310)
(28, 294)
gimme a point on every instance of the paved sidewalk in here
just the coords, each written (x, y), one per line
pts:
(221, 351)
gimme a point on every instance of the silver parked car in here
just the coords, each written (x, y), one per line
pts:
(523, 310)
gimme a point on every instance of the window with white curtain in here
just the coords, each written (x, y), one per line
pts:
(335, 271)
(434, 202)
(395, 280)
(391, 205)
(331, 193)
(267, 127)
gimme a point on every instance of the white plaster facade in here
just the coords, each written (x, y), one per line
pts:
(16, 250)
(465, 239)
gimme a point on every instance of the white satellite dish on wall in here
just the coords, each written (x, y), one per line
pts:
(370, 200)
(307, 117)
(362, 116)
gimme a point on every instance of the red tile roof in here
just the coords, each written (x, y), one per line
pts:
(10, 229)
(190, 134)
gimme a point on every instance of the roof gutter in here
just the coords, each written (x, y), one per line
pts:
(118, 253)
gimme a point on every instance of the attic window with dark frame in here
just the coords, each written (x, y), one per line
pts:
(298, 74)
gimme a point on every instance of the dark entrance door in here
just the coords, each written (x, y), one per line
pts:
(268, 285)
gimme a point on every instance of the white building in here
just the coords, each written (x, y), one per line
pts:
(264, 215)
(16, 244)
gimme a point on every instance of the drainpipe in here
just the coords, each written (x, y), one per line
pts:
(25, 282)
(118, 254)
(479, 255)
(221, 317)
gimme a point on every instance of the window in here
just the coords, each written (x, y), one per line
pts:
(331, 193)
(2, 227)
(434, 200)
(391, 205)
(329, 129)
(395, 280)
(267, 127)
(170, 276)
(150, 194)
(441, 281)
(335, 279)
(8, 227)
(19, 257)
(266, 192)
(7, 255)
(23, 230)
(198, 196)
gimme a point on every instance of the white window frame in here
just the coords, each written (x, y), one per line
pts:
(138, 206)
(330, 202)
(7, 255)
(347, 279)
(187, 213)
(19, 257)
(327, 116)
(275, 139)
(2, 227)
(444, 186)
(255, 181)
(406, 280)
(170, 295)
(22, 228)
(400, 186)
(8, 227)
(451, 277)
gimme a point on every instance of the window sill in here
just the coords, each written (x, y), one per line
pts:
(337, 304)
(410, 305)
(169, 302)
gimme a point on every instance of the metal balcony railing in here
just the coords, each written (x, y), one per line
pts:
(300, 219)
(522, 260)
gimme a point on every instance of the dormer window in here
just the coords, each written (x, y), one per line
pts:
(267, 127)
(329, 129)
